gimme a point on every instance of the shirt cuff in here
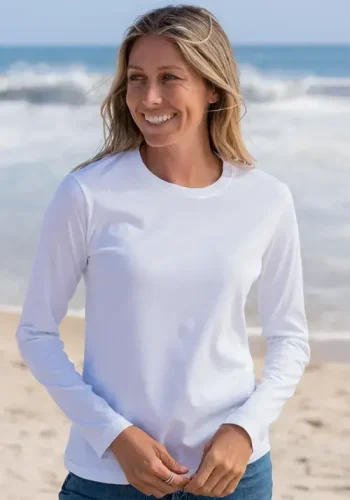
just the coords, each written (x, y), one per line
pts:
(247, 424)
(100, 442)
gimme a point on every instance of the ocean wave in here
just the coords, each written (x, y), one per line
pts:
(44, 85)
(77, 86)
(260, 88)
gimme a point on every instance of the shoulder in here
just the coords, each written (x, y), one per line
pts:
(263, 185)
(76, 186)
(77, 192)
(100, 171)
(98, 176)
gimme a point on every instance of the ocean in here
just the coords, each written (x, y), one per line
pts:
(297, 126)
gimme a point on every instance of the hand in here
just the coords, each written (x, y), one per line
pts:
(223, 463)
(146, 463)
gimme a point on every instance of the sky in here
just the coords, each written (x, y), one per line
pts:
(103, 22)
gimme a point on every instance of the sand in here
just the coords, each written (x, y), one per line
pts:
(310, 440)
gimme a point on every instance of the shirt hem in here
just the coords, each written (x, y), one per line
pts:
(117, 476)
(264, 448)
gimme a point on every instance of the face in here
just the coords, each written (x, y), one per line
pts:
(167, 99)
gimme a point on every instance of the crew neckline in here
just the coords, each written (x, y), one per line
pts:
(192, 192)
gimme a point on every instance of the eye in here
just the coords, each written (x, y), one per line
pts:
(138, 77)
(134, 77)
(169, 76)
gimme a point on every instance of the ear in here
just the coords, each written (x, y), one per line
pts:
(213, 96)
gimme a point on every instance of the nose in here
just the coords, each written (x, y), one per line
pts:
(152, 94)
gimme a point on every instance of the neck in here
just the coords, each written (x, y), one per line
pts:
(186, 166)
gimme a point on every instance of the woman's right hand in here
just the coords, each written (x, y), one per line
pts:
(147, 464)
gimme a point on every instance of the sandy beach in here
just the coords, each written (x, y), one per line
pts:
(310, 441)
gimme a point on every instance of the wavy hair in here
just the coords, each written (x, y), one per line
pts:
(207, 49)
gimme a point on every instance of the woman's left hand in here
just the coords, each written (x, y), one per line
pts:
(223, 463)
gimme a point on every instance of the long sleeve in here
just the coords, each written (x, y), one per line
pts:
(284, 326)
(60, 260)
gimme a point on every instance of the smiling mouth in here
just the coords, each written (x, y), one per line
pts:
(158, 120)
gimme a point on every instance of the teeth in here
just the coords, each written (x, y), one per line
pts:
(159, 119)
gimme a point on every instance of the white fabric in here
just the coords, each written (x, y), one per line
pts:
(167, 270)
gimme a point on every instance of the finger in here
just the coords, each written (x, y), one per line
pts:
(221, 486)
(170, 462)
(162, 473)
(158, 484)
(212, 482)
(201, 476)
(231, 486)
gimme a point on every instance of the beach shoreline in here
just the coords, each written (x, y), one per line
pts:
(324, 347)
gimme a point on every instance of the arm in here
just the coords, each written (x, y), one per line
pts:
(284, 325)
(60, 260)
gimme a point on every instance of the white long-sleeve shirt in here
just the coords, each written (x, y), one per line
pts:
(167, 270)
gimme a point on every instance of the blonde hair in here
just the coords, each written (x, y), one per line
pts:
(207, 49)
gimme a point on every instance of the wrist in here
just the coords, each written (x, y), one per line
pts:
(240, 430)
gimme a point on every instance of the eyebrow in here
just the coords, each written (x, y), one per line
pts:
(131, 66)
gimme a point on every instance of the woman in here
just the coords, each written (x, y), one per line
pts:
(170, 225)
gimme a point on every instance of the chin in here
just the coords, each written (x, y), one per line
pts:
(158, 142)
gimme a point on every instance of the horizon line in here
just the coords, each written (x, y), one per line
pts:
(238, 44)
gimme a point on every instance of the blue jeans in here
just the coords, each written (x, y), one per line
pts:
(255, 484)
